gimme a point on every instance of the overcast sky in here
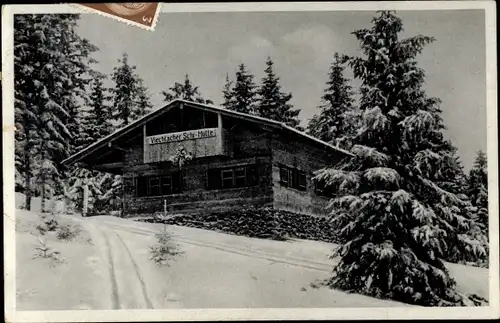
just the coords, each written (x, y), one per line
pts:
(302, 44)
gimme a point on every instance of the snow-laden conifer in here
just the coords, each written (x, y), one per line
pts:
(112, 191)
(96, 121)
(337, 120)
(74, 188)
(52, 66)
(477, 188)
(396, 223)
(125, 92)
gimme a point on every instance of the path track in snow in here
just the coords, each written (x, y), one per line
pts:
(293, 261)
(138, 274)
(128, 290)
(470, 279)
(115, 299)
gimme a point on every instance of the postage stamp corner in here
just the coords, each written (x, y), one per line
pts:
(143, 15)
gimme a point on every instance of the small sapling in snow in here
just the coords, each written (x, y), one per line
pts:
(164, 250)
(45, 251)
(67, 232)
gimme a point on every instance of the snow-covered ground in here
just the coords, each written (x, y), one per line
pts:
(316, 254)
(44, 284)
(215, 271)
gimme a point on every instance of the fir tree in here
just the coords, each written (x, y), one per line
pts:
(185, 91)
(130, 100)
(274, 104)
(244, 92)
(97, 120)
(125, 90)
(52, 66)
(73, 191)
(112, 188)
(26, 117)
(477, 188)
(452, 175)
(395, 222)
(337, 121)
(227, 94)
(144, 105)
(96, 124)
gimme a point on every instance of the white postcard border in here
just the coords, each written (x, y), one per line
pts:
(492, 311)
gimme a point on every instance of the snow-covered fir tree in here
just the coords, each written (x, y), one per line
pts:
(185, 91)
(337, 120)
(74, 188)
(127, 85)
(26, 118)
(130, 102)
(52, 68)
(243, 97)
(112, 192)
(452, 176)
(274, 104)
(96, 122)
(396, 224)
(477, 188)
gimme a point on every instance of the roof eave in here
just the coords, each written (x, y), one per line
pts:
(98, 144)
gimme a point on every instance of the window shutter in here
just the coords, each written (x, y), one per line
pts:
(284, 176)
(177, 182)
(214, 180)
(252, 175)
(295, 178)
(302, 181)
(142, 186)
(154, 186)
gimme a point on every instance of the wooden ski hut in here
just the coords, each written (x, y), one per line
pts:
(238, 160)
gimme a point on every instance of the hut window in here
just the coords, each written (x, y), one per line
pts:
(159, 185)
(227, 178)
(154, 186)
(232, 177)
(293, 178)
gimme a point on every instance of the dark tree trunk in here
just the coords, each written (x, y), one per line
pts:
(27, 192)
(27, 178)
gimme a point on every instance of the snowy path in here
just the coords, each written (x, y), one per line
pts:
(215, 273)
(309, 255)
(216, 270)
(128, 290)
(235, 249)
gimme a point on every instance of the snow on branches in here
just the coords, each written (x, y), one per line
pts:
(396, 217)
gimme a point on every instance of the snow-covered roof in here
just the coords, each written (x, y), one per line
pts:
(141, 121)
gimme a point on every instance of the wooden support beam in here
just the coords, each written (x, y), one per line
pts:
(220, 141)
(110, 145)
(85, 199)
(219, 116)
(144, 144)
(109, 166)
